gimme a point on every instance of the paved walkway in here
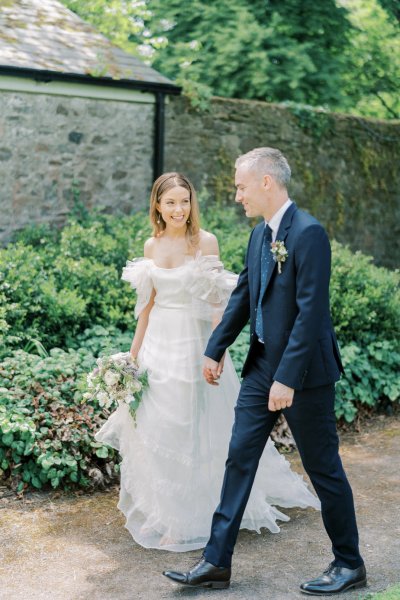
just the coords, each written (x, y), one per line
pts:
(60, 548)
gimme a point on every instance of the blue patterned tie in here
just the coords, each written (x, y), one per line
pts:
(266, 260)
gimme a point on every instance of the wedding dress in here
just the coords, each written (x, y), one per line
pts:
(173, 459)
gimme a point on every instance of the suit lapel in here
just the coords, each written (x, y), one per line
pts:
(286, 222)
(283, 231)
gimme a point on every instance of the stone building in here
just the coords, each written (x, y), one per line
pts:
(81, 121)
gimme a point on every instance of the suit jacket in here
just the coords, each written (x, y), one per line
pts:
(300, 342)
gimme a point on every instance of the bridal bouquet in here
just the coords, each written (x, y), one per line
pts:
(116, 379)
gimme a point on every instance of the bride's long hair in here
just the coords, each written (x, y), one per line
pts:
(165, 182)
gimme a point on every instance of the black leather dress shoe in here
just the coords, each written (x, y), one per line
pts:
(335, 580)
(203, 574)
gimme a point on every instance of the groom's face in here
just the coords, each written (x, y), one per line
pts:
(250, 191)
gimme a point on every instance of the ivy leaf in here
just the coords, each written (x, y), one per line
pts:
(102, 452)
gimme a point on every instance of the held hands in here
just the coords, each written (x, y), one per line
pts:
(280, 396)
(212, 370)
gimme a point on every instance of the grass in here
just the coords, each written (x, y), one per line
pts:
(392, 593)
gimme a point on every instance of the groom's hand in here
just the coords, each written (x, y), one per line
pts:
(212, 370)
(280, 396)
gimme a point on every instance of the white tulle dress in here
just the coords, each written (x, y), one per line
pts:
(173, 460)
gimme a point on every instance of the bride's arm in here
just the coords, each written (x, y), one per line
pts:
(209, 245)
(143, 318)
(141, 327)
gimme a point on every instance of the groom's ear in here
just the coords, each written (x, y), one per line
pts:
(267, 182)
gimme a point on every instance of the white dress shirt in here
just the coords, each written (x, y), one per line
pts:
(275, 221)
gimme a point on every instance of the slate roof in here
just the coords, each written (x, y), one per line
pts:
(44, 36)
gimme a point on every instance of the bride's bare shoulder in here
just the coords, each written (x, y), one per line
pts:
(208, 243)
(149, 246)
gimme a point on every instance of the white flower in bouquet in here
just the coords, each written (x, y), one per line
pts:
(135, 386)
(111, 378)
(116, 379)
(103, 399)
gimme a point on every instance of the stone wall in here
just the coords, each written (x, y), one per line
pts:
(346, 171)
(57, 152)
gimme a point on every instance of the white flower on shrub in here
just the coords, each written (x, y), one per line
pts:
(111, 378)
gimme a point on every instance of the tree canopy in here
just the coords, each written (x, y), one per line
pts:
(339, 54)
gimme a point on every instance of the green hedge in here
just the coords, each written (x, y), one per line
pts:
(365, 299)
(63, 302)
(54, 286)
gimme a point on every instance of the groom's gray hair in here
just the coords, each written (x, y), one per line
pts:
(268, 161)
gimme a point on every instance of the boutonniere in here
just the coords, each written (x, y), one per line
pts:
(279, 253)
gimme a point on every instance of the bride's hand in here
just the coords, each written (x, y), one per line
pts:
(133, 356)
(212, 370)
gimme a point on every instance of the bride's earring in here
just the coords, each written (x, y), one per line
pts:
(159, 219)
(188, 221)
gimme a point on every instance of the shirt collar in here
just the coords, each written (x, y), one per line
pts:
(275, 221)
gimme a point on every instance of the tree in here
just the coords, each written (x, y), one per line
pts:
(392, 7)
(317, 30)
(119, 20)
(372, 80)
(272, 50)
(341, 54)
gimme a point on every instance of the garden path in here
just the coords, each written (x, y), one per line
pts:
(76, 548)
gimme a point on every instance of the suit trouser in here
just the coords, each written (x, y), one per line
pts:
(311, 419)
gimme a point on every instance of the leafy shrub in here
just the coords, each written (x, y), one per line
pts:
(67, 281)
(46, 431)
(62, 283)
(371, 378)
(33, 305)
(365, 299)
(238, 350)
(101, 340)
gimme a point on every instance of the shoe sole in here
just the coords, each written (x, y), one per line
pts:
(213, 585)
(352, 586)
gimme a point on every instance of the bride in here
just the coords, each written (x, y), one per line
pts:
(173, 459)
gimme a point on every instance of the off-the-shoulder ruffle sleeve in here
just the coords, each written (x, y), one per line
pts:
(210, 286)
(137, 273)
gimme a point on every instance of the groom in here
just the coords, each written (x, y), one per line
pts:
(291, 367)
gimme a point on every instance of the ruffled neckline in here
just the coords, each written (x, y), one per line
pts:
(189, 260)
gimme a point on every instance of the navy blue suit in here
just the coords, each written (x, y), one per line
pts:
(300, 351)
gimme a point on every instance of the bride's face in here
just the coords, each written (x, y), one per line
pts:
(174, 207)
